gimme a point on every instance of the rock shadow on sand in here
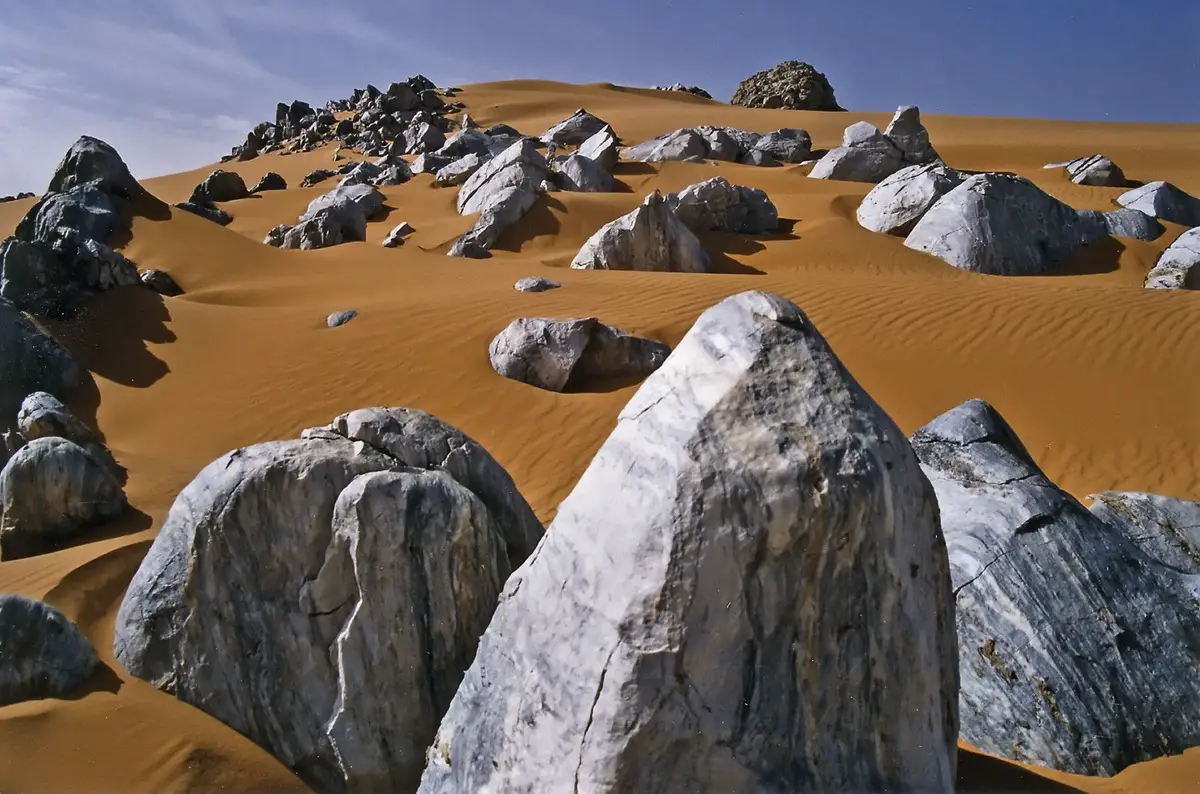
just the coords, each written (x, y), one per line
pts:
(539, 221)
(1103, 256)
(721, 246)
(979, 773)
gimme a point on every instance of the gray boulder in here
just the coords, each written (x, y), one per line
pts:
(458, 171)
(429, 163)
(51, 490)
(786, 145)
(361, 174)
(676, 145)
(572, 355)
(423, 138)
(31, 361)
(999, 224)
(535, 284)
(45, 655)
(720, 145)
(715, 204)
(747, 590)
(602, 148)
(362, 562)
(652, 237)
(910, 136)
(396, 173)
(92, 161)
(396, 236)
(792, 84)
(161, 282)
(866, 155)
(1164, 201)
(1074, 626)
(86, 209)
(339, 216)
(582, 174)
(896, 204)
(573, 130)
(317, 176)
(1127, 222)
(42, 415)
(1096, 170)
(1179, 265)
(758, 157)
(277, 235)
(521, 165)
(208, 211)
(502, 209)
(467, 141)
(340, 318)
(269, 181)
(220, 186)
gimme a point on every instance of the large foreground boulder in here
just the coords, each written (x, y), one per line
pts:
(715, 204)
(1002, 225)
(30, 361)
(44, 654)
(652, 237)
(896, 204)
(572, 355)
(792, 84)
(323, 596)
(1165, 201)
(747, 590)
(1075, 629)
(1179, 265)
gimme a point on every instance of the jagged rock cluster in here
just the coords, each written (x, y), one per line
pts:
(730, 144)
(694, 90)
(794, 85)
(868, 155)
(339, 216)
(406, 118)
(17, 197)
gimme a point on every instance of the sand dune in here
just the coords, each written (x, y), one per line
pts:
(1098, 375)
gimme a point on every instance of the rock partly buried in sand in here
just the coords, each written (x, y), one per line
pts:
(652, 237)
(30, 361)
(582, 174)
(458, 171)
(896, 204)
(276, 235)
(269, 181)
(316, 176)
(868, 155)
(676, 145)
(794, 85)
(686, 623)
(694, 90)
(1165, 201)
(1127, 222)
(573, 130)
(92, 161)
(1049, 595)
(520, 165)
(715, 204)
(362, 562)
(45, 655)
(396, 236)
(339, 216)
(208, 211)
(572, 355)
(1179, 265)
(42, 415)
(341, 318)
(502, 209)
(1095, 170)
(999, 224)
(430, 163)
(220, 186)
(786, 145)
(535, 284)
(161, 282)
(603, 148)
(52, 490)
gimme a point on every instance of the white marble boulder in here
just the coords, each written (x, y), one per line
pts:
(574, 130)
(715, 204)
(323, 596)
(603, 148)
(1094, 170)
(1164, 201)
(747, 590)
(1179, 265)
(896, 204)
(868, 155)
(582, 174)
(339, 216)
(651, 238)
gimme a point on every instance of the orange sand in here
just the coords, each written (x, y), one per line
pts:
(1098, 376)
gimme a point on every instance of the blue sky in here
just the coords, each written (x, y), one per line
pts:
(174, 83)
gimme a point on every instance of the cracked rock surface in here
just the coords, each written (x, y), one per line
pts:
(323, 596)
(747, 590)
(1074, 625)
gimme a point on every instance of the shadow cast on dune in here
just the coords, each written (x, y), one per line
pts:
(1091, 260)
(103, 679)
(984, 774)
(539, 221)
(721, 245)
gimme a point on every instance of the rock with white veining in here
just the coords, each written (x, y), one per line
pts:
(747, 590)
(603, 148)
(535, 284)
(45, 655)
(1002, 225)
(362, 561)
(1095, 170)
(715, 204)
(1164, 201)
(574, 130)
(652, 237)
(1179, 265)
(520, 165)
(676, 145)
(572, 355)
(579, 173)
(1073, 628)
(896, 204)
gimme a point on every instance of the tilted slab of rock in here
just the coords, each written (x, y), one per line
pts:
(31, 361)
(1074, 632)
(458, 171)
(747, 590)
(220, 186)
(676, 145)
(161, 282)
(44, 654)
(1179, 265)
(652, 237)
(520, 165)
(423, 138)
(603, 148)
(582, 174)
(51, 490)
(717, 204)
(362, 563)
(269, 181)
(573, 130)
(999, 224)
(1163, 200)
(501, 210)
(340, 318)
(896, 204)
(1096, 170)
(562, 355)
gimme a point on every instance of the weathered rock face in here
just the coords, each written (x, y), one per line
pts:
(747, 590)
(316, 176)
(161, 282)
(572, 355)
(44, 654)
(269, 181)
(582, 174)
(716, 204)
(999, 224)
(276, 236)
(1096, 170)
(896, 204)
(423, 138)
(429, 163)
(43, 415)
(694, 90)
(909, 135)
(1127, 222)
(220, 186)
(362, 563)
(1179, 265)
(759, 158)
(52, 489)
(1073, 627)
(792, 84)
(535, 284)
(520, 165)
(458, 171)
(86, 209)
(467, 141)
(208, 211)
(30, 361)
(867, 155)
(652, 237)
(92, 161)
(339, 216)
(1163, 200)
(396, 236)
(676, 145)
(573, 130)
(786, 145)
(603, 148)
(502, 210)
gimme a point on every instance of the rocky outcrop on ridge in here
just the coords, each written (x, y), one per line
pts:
(794, 85)
(694, 90)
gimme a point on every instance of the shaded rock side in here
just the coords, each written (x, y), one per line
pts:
(650, 238)
(1164, 201)
(31, 361)
(44, 654)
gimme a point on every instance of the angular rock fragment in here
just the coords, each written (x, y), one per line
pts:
(573, 130)
(602, 148)
(520, 165)
(458, 171)
(535, 284)
(896, 204)
(715, 204)
(1164, 201)
(341, 318)
(582, 174)
(676, 145)
(866, 155)
(909, 135)
(396, 236)
(786, 145)
(502, 210)
(31, 361)
(219, 186)
(208, 211)
(651, 238)
(269, 181)
(1096, 170)
(161, 282)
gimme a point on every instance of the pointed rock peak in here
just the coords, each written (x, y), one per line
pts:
(974, 441)
(92, 160)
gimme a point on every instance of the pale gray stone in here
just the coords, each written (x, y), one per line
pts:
(1096, 170)
(1127, 222)
(896, 204)
(429, 163)
(361, 174)
(339, 216)
(573, 130)
(423, 138)
(467, 141)
(458, 171)
(1179, 265)
(42, 415)
(341, 318)
(521, 165)
(582, 174)
(676, 145)
(220, 185)
(715, 204)
(1073, 627)
(572, 355)
(161, 282)
(759, 158)
(208, 211)
(747, 590)
(720, 145)
(652, 237)
(866, 155)
(603, 148)
(1165, 201)
(910, 136)
(45, 655)
(92, 161)
(535, 284)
